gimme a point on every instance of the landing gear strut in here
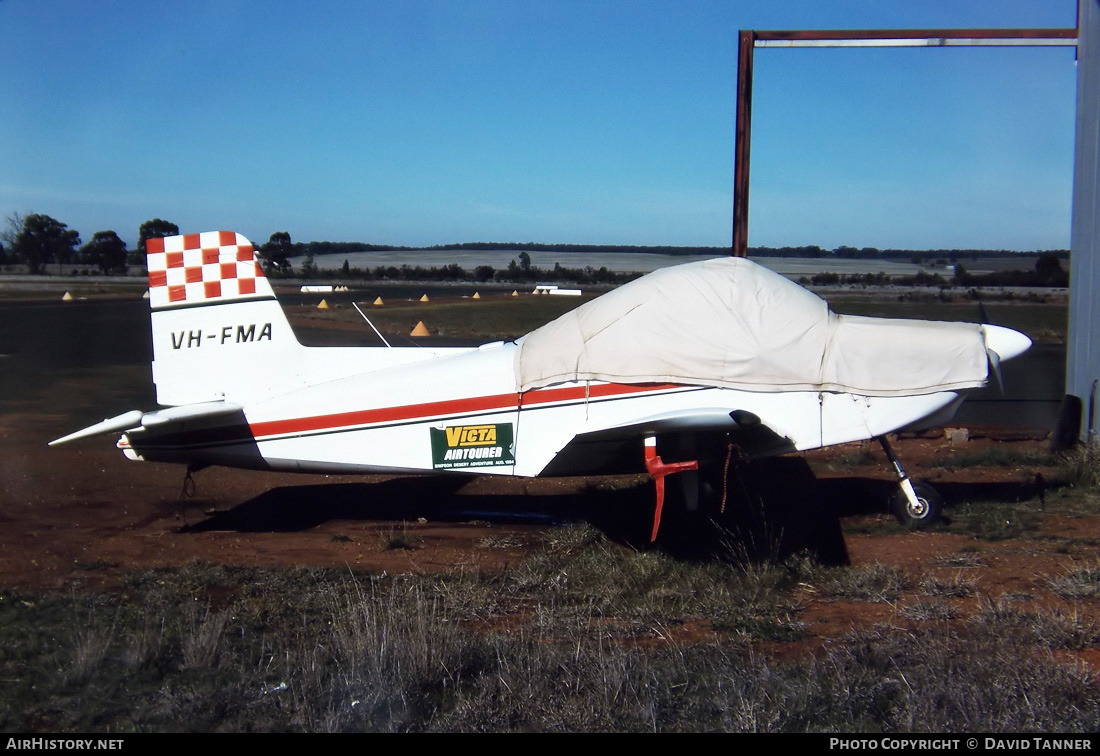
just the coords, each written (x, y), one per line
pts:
(658, 469)
(916, 504)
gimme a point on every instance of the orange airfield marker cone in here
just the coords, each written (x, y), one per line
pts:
(378, 302)
(420, 330)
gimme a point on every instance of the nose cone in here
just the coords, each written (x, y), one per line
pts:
(1005, 342)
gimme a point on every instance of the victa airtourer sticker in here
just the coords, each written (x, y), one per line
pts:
(461, 446)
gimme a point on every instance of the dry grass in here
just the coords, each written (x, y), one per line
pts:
(925, 611)
(959, 584)
(1082, 582)
(1049, 629)
(583, 635)
(1081, 467)
(401, 538)
(877, 583)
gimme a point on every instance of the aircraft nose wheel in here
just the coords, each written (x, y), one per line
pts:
(920, 511)
(916, 504)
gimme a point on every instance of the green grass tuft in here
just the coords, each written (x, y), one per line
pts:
(996, 456)
(1080, 583)
(998, 521)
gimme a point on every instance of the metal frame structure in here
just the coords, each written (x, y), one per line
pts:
(1083, 344)
(750, 39)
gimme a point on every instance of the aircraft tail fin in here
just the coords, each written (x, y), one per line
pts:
(218, 330)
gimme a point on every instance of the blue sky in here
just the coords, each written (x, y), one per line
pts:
(423, 122)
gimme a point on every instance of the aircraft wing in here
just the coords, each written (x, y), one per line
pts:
(750, 433)
(618, 448)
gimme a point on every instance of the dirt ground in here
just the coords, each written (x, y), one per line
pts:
(96, 516)
(79, 516)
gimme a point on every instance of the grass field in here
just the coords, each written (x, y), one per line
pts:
(496, 317)
(580, 635)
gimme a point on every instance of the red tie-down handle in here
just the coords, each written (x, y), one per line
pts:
(658, 469)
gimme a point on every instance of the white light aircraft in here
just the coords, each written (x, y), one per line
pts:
(676, 371)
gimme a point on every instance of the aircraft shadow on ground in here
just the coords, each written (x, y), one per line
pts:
(298, 508)
(778, 511)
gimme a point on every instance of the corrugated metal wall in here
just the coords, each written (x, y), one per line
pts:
(1083, 349)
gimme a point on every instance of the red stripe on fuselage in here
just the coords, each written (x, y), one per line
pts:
(596, 391)
(499, 402)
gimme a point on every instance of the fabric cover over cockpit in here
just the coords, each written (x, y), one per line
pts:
(732, 323)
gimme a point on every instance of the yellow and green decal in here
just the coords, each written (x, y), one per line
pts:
(462, 446)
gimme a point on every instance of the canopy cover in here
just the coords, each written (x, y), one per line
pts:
(731, 323)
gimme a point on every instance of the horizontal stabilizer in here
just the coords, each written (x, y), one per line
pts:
(137, 419)
(123, 422)
(188, 412)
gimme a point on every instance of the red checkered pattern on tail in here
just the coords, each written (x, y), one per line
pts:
(207, 267)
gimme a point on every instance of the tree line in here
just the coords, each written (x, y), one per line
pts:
(321, 248)
(36, 241)
(1048, 271)
(916, 256)
(521, 271)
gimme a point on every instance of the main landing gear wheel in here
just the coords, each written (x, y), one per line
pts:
(922, 510)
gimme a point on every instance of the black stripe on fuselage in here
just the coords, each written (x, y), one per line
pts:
(227, 303)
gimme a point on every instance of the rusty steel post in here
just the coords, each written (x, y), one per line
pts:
(746, 45)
